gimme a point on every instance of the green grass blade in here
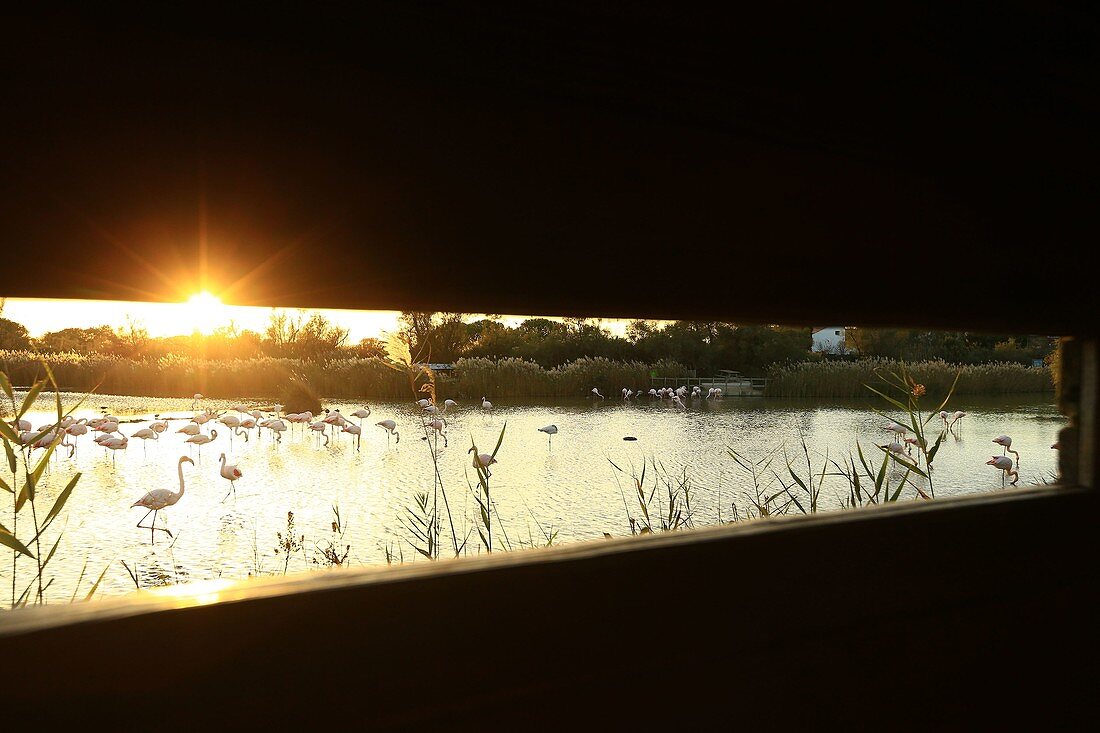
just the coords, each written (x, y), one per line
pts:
(28, 401)
(97, 582)
(9, 540)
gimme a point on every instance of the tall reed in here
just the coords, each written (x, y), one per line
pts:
(845, 379)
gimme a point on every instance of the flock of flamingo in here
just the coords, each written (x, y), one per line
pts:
(903, 446)
(111, 438)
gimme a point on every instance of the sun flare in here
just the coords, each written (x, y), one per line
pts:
(207, 311)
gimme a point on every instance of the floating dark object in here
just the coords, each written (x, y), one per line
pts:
(630, 437)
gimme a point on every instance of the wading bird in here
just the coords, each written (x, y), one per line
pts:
(424, 402)
(198, 397)
(200, 440)
(959, 415)
(551, 431)
(158, 499)
(362, 414)
(943, 416)
(1004, 463)
(596, 391)
(437, 426)
(115, 444)
(896, 428)
(355, 430)
(277, 427)
(391, 429)
(189, 429)
(483, 461)
(448, 403)
(319, 427)
(230, 473)
(146, 434)
(486, 404)
(1006, 445)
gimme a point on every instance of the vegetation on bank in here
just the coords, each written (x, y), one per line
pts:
(509, 378)
(847, 379)
(351, 378)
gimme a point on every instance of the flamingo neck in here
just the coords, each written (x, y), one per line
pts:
(180, 469)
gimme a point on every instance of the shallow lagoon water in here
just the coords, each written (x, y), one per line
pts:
(569, 488)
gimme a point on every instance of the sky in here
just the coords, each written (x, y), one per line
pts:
(203, 312)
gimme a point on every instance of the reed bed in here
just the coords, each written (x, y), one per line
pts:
(518, 378)
(372, 378)
(844, 379)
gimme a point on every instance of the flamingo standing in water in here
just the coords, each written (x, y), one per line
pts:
(943, 416)
(146, 434)
(114, 444)
(959, 415)
(1004, 463)
(897, 429)
(448, 403)
(319, 427)
(1006, 445)
(230, 473)
(596, 391)
(551, 431)
(486, 404)
(158, 499)
(355, 430)
(277, 427)
(362, 414)
(437, 426)
(189, 429)
(391, 429)
(200, 440)
(198, 397)
(483, 461)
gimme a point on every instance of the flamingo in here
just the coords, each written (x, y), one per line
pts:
(596, 391)
(551, 431)
(626, 393)
(319, 427)
(146, 434)
(959, 415)
(423, 403)
(676, 401)
(357, 431)
(115, 444)
(189, 429)
(362, 414)
(1004, 463)
(943, 416)
(483, 461)
(200, 440)
(230, 473)
(486, 404)
(277, 427)
(1006, 445)
(20, 425)
(1057, 446)
(652, 392)
(448, 403)
(717, 393)
(896, 428)
(896, 449)
(108, 426)
(158, 499)
(391, 429)
(437, 426)
(158, 425)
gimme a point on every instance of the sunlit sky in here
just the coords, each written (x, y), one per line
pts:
(203, 312)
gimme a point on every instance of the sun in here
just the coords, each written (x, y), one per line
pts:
(206, 311)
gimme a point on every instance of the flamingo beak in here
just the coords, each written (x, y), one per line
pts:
(991, 462)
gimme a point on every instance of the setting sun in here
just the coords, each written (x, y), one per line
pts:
(207, 312)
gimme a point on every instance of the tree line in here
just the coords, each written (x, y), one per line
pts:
(703, 346)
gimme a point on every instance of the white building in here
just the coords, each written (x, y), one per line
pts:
(829, 339)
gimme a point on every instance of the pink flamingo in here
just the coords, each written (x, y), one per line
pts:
(158, 499)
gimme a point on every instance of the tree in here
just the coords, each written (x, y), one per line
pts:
(13, 336)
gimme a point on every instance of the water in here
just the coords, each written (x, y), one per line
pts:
(569, 488)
